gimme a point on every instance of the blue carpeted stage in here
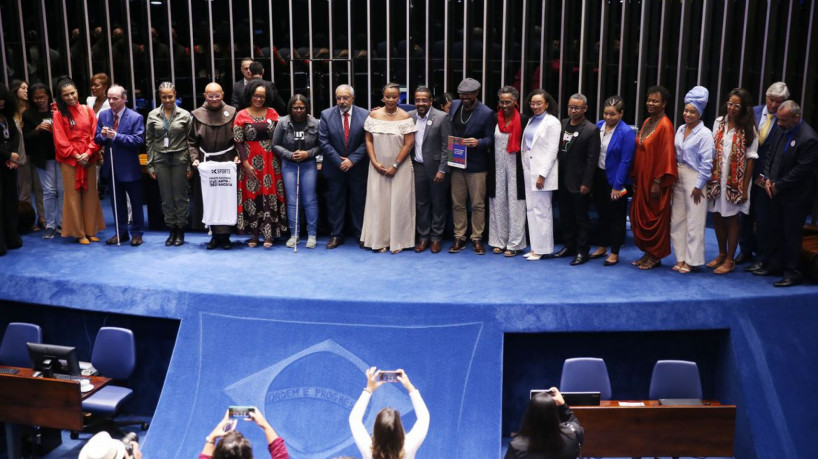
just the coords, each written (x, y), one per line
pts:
(293, 334)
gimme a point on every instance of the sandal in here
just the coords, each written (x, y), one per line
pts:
(641, 260)
(395, 252)
(716, 262)
(497, 250)
(650, 263)
(685, 269)
(727, 267)
(678, 266)
(252, 243)
(268, 243)
(383, 250)
(510, 253)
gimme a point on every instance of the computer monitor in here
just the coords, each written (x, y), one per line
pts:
(51, 358)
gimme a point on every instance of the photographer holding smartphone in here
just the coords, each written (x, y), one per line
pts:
(234, 445)
(388, 440)
(549, 430)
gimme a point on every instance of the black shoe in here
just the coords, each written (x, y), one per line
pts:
(171, 238)
(226, 244)
(214, 241)
(180, 237)
(563, 252)
(743, 257)
(768, 272)
(579, 259)
(788, 282)
(754, 267)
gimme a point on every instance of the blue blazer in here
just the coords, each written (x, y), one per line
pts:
(130, 137)
(331, 140)
(619, 158)
(481, 127)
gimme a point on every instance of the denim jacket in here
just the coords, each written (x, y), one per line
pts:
(284, 142)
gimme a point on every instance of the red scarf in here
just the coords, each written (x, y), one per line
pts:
(515, 130)
(734, 189)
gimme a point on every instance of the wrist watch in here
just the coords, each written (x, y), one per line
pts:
(395, 164)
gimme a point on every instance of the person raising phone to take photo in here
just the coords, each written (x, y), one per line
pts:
(388, 440)
(226, 442)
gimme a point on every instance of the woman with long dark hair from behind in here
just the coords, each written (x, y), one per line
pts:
(549, 430)
(388, 440)
(224, 442)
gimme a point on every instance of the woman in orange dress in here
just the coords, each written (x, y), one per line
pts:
(74, 128)
(654, 172)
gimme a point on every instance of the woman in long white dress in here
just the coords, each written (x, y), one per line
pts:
(389, 213)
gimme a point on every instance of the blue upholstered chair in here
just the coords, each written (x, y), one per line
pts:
(586, 374)
(13, 349)
(114, 356)
(675, 379)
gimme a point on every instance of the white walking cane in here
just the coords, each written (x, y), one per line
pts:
(300, 145)
(113, 197)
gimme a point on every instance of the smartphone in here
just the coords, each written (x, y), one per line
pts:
(388, 376)
(240, 411)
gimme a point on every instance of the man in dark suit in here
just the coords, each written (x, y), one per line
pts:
(121, 132)
(789, 173)
(257, 73)
(430, 163)
(345, 166)
(237, 96)
(474, 123)
(578, 156)
(754, 226)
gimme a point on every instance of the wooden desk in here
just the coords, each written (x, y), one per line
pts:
(656, 430)
(44, 402)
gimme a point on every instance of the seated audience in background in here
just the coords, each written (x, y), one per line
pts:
(102, 445)
(549, 430)
(388, 440)
(233, 445)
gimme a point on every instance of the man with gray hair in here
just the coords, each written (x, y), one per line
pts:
(753, 225)
(578, 156)
(345, 165)
(789, 174)
(121, 132)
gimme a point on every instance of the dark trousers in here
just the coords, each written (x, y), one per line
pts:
(347, 190)
(431, 203)
(9, 236)
(760, 208)
(787, 216)
(134, 191)
(749, 240)
(576, 223)
(612, 214)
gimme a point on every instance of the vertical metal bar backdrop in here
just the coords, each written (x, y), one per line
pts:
(23, 41)
(47, 43)
(130, 52)
(150, 57)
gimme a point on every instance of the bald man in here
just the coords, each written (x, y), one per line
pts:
(211, 140)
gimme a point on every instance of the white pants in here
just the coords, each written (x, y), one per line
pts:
(540, 216)
(506, 212)
(687, 219)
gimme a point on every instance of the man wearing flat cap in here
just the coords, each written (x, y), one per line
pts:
(474, 122)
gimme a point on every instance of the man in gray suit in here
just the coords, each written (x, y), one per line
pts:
(429, 161)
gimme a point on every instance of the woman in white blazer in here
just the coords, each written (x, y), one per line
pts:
(540, 167)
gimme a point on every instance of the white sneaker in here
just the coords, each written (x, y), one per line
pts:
(311, 242)
(292, 241)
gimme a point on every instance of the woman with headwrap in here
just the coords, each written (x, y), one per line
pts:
(694, 160)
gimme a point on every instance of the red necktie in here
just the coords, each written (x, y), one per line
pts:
(346, 130)
(116, 122)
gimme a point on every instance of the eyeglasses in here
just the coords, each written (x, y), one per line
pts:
(575, 108)
(536, 103)
(732, 105)
(259, 96)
